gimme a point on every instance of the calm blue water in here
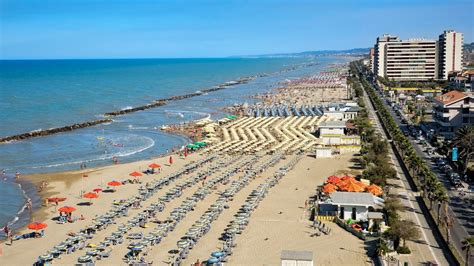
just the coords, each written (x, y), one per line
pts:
(52, 93)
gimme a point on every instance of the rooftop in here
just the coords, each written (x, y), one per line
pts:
(353, 198)
(341, 124)
(296, 255)
(450, 97)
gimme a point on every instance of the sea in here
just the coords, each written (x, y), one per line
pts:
(43, 94)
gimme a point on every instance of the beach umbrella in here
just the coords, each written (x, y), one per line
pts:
(329, 188)
(66, 209)
(97, 190)
(374, 189)
(347, 177)
(351, 185)
(37, 226)
(171, 160)
(136, 174)
(114, 184)
(333, 180)
(56, 199)
(154, 165)
(90, 195)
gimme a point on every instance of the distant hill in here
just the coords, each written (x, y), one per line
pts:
(354, 51)
(468, 54)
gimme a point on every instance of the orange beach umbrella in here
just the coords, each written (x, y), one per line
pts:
(114, 183)
(351, 185)
(56, 199)
(154, 165)
(136, 174)
(66, 209)
(375, 190)
(90, 195)
(329, 188)
(37, 226)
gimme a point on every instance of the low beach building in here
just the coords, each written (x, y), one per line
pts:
(350, 205)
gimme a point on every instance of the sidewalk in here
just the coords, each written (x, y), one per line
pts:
(426, 249)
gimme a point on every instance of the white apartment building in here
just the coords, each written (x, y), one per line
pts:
(411, 60)
(418, 59)
(450, 53)
(379, 53)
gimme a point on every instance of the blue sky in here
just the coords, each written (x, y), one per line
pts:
(195, 28)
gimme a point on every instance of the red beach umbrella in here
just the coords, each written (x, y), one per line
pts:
(66, 209)
(56, 199)
(97, 190)
(171, 160)
(154, 165)
(37, 226)
(114, 183)
(333, 180)
(136, 174)
(90, 195)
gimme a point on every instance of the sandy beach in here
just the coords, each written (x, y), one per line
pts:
(278, 223)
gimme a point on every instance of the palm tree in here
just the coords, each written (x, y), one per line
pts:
(467, 243)
(441, 197)
(464, 140)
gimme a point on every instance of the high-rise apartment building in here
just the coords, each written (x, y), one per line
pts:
(371, 59)
(418, 59)
(379, 53)
(450, 53)
(411, 60)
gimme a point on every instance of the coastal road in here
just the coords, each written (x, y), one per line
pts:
(427, 248)
(459, 207)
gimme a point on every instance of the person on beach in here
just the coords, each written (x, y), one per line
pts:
(17, 175)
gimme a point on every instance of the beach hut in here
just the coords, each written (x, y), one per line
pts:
(296, 258)
(353, 205)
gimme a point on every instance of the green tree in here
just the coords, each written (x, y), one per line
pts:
(464, 140)
(405, 230)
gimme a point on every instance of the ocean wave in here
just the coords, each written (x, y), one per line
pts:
(150, 143)
(127, 108)
(22, 209)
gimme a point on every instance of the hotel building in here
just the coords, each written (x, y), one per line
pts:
(450, 53)
(411, 60)
(418, 59)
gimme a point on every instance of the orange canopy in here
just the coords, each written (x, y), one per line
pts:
(90, 195)
(114, 183)
(351, 185)
(154, 165)
(37, 226)
(375, 190)
(347, 177)
(333, 179)
(135, 174)
(66, 209)
(329, 188)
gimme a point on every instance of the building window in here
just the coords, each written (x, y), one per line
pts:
(341, 213)
(465, 110)
(354, 212)
(466, 100)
